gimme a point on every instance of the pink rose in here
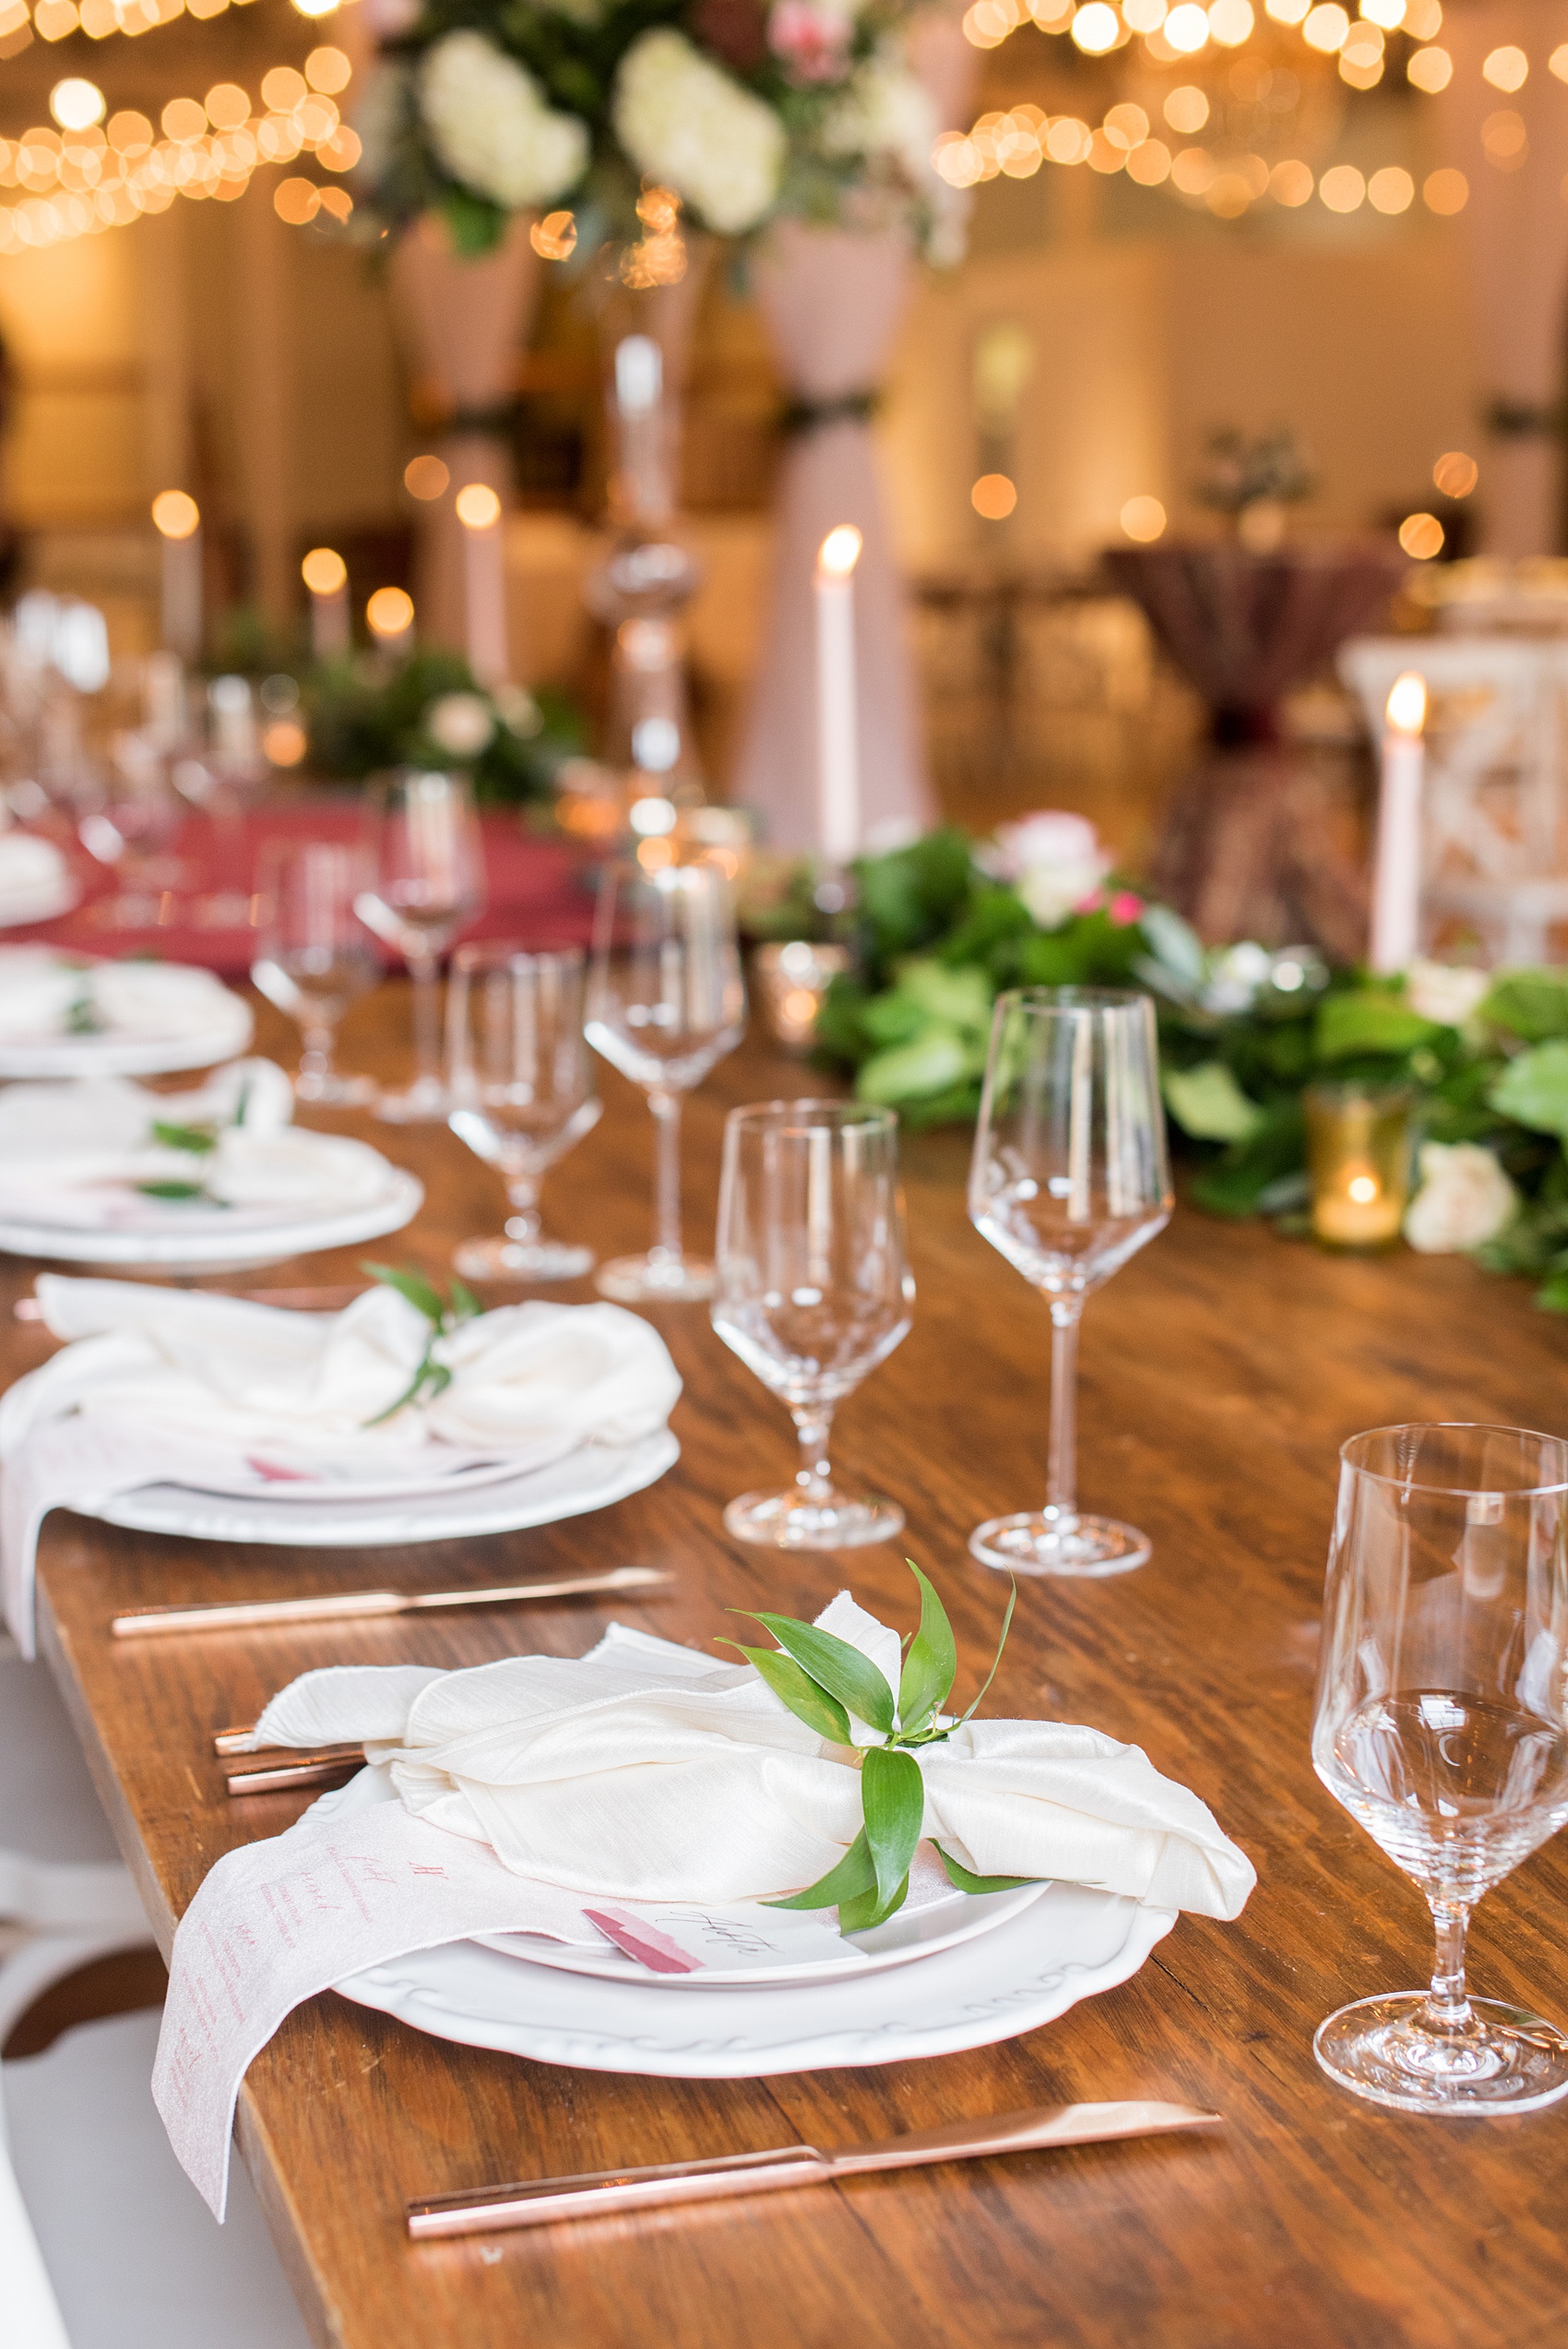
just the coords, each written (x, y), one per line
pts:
(1125, 908)
(812, 41)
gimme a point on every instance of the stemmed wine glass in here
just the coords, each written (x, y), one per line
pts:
(521, 1087)
(666, 1001)
(425, 883)
(813, 1293)
(1069, 1178)
(1439, 1725)
(313, 958)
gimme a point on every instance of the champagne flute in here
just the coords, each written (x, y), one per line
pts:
(313, 958)
(666, 1001)
(521, 1087)
(813, 1293)
(1442, 1726)
(1068, 1180)
(426, 882)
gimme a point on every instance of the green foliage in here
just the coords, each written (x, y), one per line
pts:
(362, 718)
(443, 1314)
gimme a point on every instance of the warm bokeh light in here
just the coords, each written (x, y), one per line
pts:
(1342, 189)
(1150, 163)
(1325, 28)
(1558, 62)
(324, 571)
(1407, 711)
(390, 612)
(284, 741)
(1445, 193)
(315, 7)
(1507, 68)
(1193, 171)
(993, 497)
(1186, 108)
(183, 119)
(76, 104)
(227, 106)
(1095, 27)
(296, 202)
(1360, 59)
(425, 478)
(1230, 22)
(1431, 69)
(1143, 519)
(1505, 140)
(1186, 29)
(478, 508)
(1387, 14)
(555, 237)
(174, 515)
(839, 550)
(1391, 190)
(1455, 474)
(328, 70)
(1286, 12)
(1421, 536)
(284, 89)
(1292, 183)
(1422, 19)
(1126, 127)
(1143, 16)
(130, 133)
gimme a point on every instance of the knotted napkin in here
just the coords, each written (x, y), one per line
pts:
(35, 878)
(165, 1385)
(45, 994)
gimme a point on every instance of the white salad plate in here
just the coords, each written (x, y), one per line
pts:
(1066, 1945)
(46, 904)
(178, 1234)
(135, 1053)
(591, 1477)
(301, 1481)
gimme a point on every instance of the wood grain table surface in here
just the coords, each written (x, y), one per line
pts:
(1220, 1371)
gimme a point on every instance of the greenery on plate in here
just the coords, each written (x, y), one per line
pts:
(445, 1315)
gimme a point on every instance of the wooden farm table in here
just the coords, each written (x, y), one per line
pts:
(1220, 1371)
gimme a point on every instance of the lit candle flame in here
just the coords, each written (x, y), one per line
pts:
(839, 552)
(478, 508)
(1408, 703)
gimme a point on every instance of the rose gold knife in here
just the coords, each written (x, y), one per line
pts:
(341, 1606)
(606, 2191)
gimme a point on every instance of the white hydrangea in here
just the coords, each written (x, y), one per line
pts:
(461, 723)
(1445, 992)
(1054, 859)
(691, 128)
(1465, 1200)
(885, 111)
(491, 127)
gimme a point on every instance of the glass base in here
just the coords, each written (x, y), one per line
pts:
(1053, 1541)
(789, 1522)
(1390, 2051)
(335, 1091)
(504, 1259)
(425, 1102)
(654, 1279)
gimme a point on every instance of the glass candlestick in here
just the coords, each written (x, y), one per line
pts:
(1359, 1163)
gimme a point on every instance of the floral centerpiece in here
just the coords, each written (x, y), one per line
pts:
(428, 711)
(743, 111)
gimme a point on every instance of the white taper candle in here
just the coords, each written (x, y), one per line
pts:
(1397, 879)
(484, 583)
(838, 764)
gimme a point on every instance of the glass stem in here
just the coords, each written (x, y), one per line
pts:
(1062, 1464)
(665, 1108)
(315, 1060)
(424, 969)
(522, 1224)
(814, 1478)
(1448, 2005)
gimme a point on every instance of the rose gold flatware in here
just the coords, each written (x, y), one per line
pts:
(345, 1606)
(537, 2203)
(300, 1769)
(242, 1741)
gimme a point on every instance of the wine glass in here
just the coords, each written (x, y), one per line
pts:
(813, 1293)
(425, 883)
(521, 1087)
(1439, 1725)
(1068, 1179)
(666, 1001)
(312, 958)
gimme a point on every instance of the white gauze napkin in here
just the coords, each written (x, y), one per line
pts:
(39, 988)
(162, 1384)
(33, 872)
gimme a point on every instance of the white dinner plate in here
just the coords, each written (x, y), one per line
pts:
(591, 1477)
(943, 1924)
(249, 1483)
(1067, 1945)
(20, 906)
(184, 1234)
(141, 1054)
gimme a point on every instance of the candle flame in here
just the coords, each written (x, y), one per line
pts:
(324, 570)
(478, 508)
(1408, 703)
(174, 515)
(839, 552)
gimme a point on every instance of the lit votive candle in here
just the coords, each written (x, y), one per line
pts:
(792, 980)
(1358, 1164)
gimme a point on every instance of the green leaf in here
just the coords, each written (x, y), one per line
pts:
(860, 1915)
(413, 1285)
(241, 1106)
(178, 1191)
(198, 1139)
(932, 1661)
(1362, 1020)
(1006, 1627)
(931, 1064)
(854, 1876)
(1534, 1089)
(893, 1794)
(465, 1306)
(1209, 1104)
(1532, 1004)
(798, 1690)
(967, 1882)
(834, 1665)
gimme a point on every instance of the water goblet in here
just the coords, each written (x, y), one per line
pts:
(1069, 1178)
(313, 958)
(521, 1087)
(424, 885)
(813, 1293)
(666, 1002)
(1442, 1726)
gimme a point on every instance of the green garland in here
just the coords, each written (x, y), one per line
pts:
(1244, 1032)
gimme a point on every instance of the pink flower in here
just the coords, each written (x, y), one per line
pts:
(812, 40)
(1125, 908)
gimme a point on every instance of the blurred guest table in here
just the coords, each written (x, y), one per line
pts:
(1220, 1371)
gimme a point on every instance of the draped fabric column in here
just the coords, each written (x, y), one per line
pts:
(463, 322)
(832, 299)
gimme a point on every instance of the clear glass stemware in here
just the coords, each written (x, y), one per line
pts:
(813, 1293)
(1068, 1180)
(666, 1001)
(521, 1086)
(313, 958)
(1442, 1726)
(425, 883)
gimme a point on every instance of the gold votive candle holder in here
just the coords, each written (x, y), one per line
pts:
(1359, 1147)
(791, 980)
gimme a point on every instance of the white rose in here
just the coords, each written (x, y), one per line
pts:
(462, 723)
(885, 111)
(489, 126)
(1443, 992)
(690, 126)
(1054, 861)
(1465, 1200)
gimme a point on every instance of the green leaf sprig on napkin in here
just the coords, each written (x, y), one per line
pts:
(444, 1314)
(825, 1682)
(198, 1141)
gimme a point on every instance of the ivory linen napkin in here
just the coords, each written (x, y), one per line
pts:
(639, 1773)
(165, 1384)
(34, 877)
(45, 994)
